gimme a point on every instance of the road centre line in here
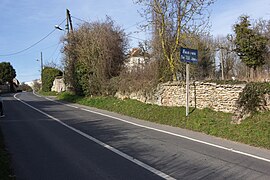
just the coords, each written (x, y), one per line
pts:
(173, 134)
(126, 156)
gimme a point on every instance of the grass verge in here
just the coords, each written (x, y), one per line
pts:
(50, 93)
(254, 130)
(5, 170)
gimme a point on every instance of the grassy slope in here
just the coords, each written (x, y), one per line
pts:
(254, 131)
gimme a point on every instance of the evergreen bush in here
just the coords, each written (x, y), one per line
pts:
(48, 76)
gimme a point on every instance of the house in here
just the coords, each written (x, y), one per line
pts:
(137, 59)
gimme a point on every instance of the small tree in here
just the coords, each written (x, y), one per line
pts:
(250, 45)
(227, 56)
(48, 76)
(25, 87)
(172, 21)
(206, 59)
(36, 85)
(7, 74)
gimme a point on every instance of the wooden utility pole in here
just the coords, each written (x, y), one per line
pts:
(41, 60)
(41, 65)
(69, 26)
(71, 59)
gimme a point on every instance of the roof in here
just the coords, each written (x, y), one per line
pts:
(137, 52)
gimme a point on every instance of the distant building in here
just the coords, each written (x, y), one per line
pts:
(30, 83)
(137, 59)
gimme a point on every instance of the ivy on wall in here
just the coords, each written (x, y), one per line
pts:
(251, 99)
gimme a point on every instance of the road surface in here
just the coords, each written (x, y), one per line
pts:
(56, 140)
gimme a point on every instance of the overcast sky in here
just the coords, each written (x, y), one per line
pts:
(25, 22)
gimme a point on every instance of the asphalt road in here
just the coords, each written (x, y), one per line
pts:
(51, 140)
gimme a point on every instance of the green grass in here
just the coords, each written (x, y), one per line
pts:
(254, 130)
(50, 93)
(5, 170)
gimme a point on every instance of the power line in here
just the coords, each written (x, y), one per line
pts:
(54, 51)
(124, 28)
(79, 19)
(54, 45)
(57, 55)
(136, 38)
(136, 24)
(11, 54)
(18, 52)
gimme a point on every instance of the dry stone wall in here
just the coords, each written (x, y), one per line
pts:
(219, 97)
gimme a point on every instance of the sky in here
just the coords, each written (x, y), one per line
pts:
(26, 22)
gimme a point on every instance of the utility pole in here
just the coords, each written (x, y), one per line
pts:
(69, 26)
(71, 59)
(41, 66)
(41, 61)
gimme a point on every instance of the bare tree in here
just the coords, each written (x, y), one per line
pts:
(227, 56)
(172, 22)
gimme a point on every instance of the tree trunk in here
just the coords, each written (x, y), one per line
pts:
(255, 75)
(11, 86)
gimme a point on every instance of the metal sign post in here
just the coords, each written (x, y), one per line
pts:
(188, 56)
(187, 89)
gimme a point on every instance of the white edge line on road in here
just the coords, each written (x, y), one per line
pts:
(71, 106)
(167, 132)
(35, 94)
(145, 166)
(170, 133)
(181, 136)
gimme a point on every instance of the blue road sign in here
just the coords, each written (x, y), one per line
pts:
(189, 55)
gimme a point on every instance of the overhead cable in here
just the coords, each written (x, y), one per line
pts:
(23, 50)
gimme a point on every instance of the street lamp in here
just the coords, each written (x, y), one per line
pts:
(58, 27)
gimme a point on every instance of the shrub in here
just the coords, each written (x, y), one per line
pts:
(48, 76)
(25, 87)
(36, 85)
(251, 99)
(144, 79)
(94, 54)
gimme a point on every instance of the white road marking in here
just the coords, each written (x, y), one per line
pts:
(182, 136)
(36, 94)
(174, 134)
(69, 105)
(130, 158)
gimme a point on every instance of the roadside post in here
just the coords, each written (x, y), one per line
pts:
(188, 56)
